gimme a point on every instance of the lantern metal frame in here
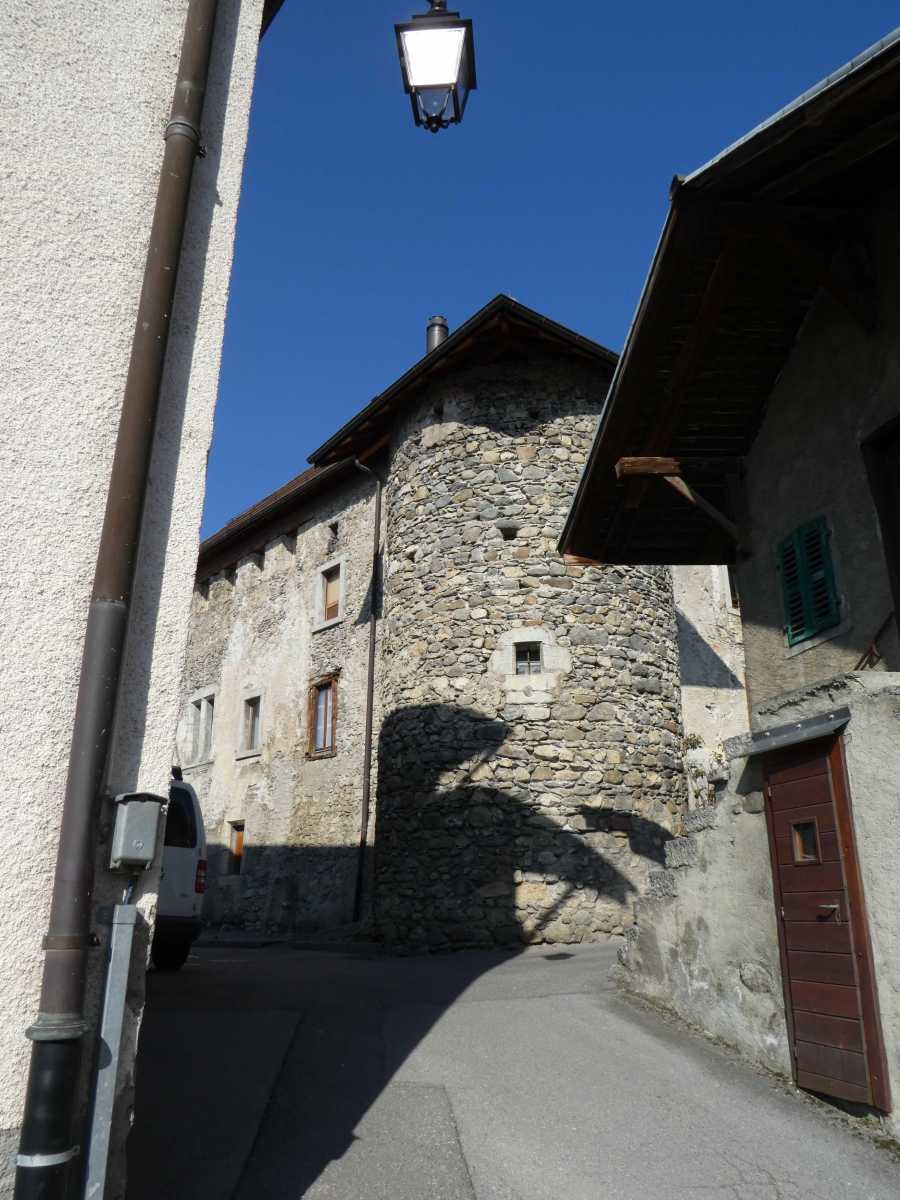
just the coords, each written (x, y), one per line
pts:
(439, 18)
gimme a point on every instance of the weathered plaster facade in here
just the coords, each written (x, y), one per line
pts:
(838, 387)
(77, 213)
(773, 380)
(706, 942)
(505, 806)
(257, 631)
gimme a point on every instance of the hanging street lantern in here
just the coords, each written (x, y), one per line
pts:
(437, 58)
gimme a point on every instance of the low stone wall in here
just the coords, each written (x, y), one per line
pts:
(705, 944)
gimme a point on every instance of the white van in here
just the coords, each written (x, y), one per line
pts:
(182, 879)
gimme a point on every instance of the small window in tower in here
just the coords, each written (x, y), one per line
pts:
(528, 658)
(508, 532)
(235, 859)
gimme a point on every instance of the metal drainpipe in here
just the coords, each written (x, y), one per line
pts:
(370, 699)
(46, 1146)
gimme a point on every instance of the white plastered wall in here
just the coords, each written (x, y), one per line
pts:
(84, 98)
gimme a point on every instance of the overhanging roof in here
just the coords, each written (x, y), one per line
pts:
(750, 240)
(270, 12)
(269, 517)
(503, 329)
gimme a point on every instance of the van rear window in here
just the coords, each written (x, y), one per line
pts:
(181, 828)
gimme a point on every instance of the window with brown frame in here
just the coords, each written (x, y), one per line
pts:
(322, 717)
(235, 859)
(331, 600)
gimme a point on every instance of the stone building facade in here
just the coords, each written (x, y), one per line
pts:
(526, 738)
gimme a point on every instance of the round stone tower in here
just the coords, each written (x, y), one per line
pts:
(528, 762)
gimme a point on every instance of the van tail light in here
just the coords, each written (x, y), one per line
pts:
(200, 877)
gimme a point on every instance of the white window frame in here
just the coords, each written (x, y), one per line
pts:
(245, 751)
(319, 600)
(201, 723)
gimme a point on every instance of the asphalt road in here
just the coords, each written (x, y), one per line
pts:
(278, 1074)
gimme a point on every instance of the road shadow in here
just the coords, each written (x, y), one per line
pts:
(458, 862)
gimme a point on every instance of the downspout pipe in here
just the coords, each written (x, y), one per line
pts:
(365, 803)
(47, 1146)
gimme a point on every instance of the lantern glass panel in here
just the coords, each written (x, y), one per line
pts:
(433, 56)
(434, 102)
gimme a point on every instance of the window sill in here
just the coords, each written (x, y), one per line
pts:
(201, 762)
(314, 754)
(327, 624)
(248, 754)
(810, 644)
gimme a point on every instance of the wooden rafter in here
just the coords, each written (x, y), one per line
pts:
(717, 291)
(669, 471)
(812, 171)
(683, 488)
(793, 228)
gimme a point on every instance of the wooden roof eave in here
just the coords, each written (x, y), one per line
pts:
(668, 349)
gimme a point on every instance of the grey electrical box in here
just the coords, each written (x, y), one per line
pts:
(136, 831)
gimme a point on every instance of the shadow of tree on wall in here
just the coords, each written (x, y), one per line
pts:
(459, 861)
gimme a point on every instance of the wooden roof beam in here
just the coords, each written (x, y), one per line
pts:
(790, 225)
(684, 489)
(811, 172)
(717, 291)
(669, 470)
(643, 467)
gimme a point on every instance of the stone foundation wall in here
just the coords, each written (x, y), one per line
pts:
(513, 806)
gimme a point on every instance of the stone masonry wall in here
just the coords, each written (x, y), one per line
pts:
(255, 631)
(515, 807)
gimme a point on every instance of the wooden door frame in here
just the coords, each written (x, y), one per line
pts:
(832, 748)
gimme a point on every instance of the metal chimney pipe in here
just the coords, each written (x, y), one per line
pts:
(437, 332)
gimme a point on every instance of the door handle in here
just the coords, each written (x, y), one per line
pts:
(827, 909)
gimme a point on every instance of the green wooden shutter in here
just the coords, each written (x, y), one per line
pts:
(811, 602)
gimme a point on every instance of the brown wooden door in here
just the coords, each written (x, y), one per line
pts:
(826, 957)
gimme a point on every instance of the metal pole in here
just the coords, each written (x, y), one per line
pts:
(370, 699)
(123, 923)
(46, 1146)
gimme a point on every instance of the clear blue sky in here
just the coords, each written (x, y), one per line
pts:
(354, 226)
